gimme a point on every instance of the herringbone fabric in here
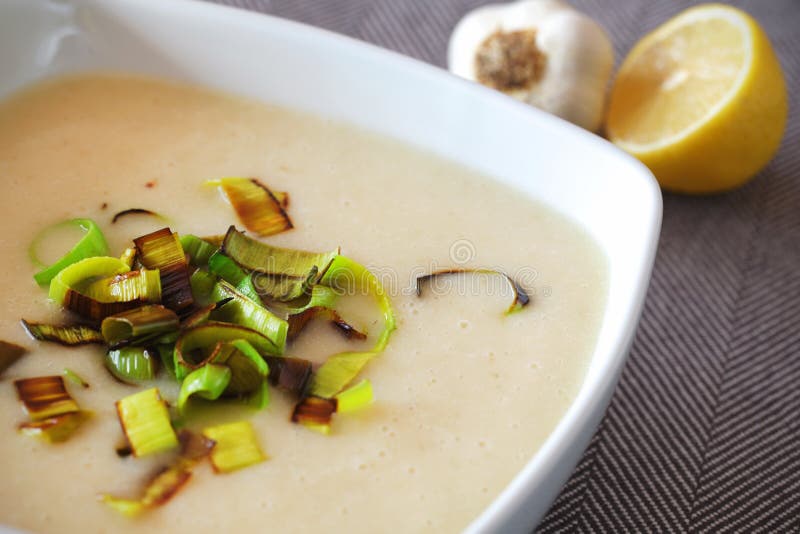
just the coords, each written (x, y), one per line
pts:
(703, 434)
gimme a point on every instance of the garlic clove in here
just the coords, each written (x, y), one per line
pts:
(542, 52)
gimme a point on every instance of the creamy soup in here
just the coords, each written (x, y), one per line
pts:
(465, 395)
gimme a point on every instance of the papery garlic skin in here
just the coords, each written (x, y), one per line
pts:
(574, 56)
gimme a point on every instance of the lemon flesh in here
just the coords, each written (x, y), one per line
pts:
(701, 100)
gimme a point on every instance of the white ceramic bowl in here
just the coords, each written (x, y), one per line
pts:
(297, 66)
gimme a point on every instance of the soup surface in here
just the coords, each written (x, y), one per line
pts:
(464, 394)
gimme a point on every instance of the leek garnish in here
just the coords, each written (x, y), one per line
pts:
(354, 398)
(298, 321)
(521, 298)
(289, 374)
(202, 284)
(128, 257)
(45, 396)
(320, 297)
(132, 364)
(340, 369)
(278, 273)
(197, 345)
(145, 421)
(347, 275)
(158, 491)
(142, 285)
(56, 428)
(162, 250)
(203, 315)
(75, 378)
(166, 353)
(134, 324)
(224, 267)
(66, 335)
(248, 368)
(198, 250)
(166, 483)
(85, 270)
(67, 288)
(91, 244)
(257, 207)
(207, 382)
(314, 411)
(236, 446)
(243, 311)
(136, 211)
(9, 354)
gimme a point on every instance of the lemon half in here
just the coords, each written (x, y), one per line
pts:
(701, 100)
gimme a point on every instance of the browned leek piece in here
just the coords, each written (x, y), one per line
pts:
(166, 483)
(521, 298)
(260, 210)
(289, 374)
(69, 335)
(134, 211)
(55, 414)
(9, 354)
(45, 396)
(298, 321)
(55, 429)
(162, 250)
(314, 410)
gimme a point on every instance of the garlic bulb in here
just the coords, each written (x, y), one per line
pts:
(542, 52)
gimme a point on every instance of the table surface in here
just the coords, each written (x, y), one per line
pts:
(703, 432)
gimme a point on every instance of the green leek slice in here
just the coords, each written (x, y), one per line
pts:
(278, 273)
(145, 421)
(340, 369)
(208, 382)
(351, 277)
(88, 269)
(75, 378)
(140, 322)
(55, 429)
(354, 398)
(128, 257)
(66, 335)
(143, 285)
(261, 211)
(198, 250)
(243, 311)
(9, 354)
(202, 284)
(248, 368)
(206, 338)
(45, 396)
(236, 446)
(131, 365)
(93, 243)
(229, 271)
(162, 250)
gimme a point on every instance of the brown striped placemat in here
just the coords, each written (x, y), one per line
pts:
(703, 433)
